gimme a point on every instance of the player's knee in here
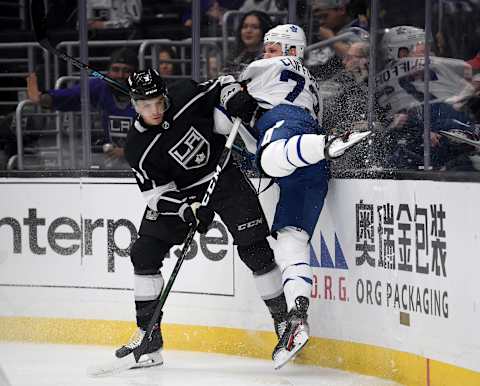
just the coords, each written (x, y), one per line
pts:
(147, 254)
(291, 247)
(274, 162)
(258, 256)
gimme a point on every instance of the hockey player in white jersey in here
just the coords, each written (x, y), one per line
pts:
(283, 105)
(400, 85)
(400, 91)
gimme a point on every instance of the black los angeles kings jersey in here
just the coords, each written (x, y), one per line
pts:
(182, 152)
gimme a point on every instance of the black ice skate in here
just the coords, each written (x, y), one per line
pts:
(280, 323)
(337, 145)
(295, 335)
(137, 353)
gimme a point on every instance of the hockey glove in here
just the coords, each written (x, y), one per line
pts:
(235, 98)
(198, 213)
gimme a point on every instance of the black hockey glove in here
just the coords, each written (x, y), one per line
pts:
(197, 212)
(238, 102)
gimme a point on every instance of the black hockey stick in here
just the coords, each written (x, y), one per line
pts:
(39, 22)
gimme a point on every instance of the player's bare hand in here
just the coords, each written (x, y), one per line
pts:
(32, 88)
(435, 139)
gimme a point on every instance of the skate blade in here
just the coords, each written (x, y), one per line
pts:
(339, 148)
(123, 364)
(284, 356)
(459, 138)
(357, 137)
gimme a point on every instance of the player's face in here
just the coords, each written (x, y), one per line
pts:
(271, 50)
(152, 110)
(403, 52)
(251, 33)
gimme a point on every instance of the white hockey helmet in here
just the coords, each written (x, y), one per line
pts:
(396, 38)
(288, 36)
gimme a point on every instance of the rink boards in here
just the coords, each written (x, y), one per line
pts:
(395, 289)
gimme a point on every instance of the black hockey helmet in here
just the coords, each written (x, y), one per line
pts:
(146, 85)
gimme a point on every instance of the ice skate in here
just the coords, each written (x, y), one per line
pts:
(462, 136)
(336, 146)
(137, 353)
(295, 335)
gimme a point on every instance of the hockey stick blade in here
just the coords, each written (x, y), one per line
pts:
(39, 23)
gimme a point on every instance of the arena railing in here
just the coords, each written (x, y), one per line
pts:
(207, 45)
(70, 46)
(65, 147)
(353, 33)
(21, 5)
(19, 56)
(144, 55)
(40, 152)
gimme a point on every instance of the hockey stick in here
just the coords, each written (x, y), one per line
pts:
(39, 23)
(129, 362)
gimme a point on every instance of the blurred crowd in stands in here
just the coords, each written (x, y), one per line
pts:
(40, 96)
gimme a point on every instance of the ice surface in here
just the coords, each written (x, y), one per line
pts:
(28, 364)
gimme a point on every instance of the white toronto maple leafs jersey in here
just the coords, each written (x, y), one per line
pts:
(401, 85)
(283, 80)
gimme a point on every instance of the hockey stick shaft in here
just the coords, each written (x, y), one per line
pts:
(39, 23)
(191, 233)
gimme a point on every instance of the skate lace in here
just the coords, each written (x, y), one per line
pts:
(136, 339)
(281, 328)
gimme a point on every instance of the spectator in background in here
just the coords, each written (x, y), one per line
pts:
(212, 12)
(213, 63)
(348, 109)
(115, 108)
(249, 41)
(102, 14)
(167, 68)
(331, 18)
(260, 5)
(350, 103)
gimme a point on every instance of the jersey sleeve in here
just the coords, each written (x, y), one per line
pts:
(209, 92)
(69, 99)
(158, 188)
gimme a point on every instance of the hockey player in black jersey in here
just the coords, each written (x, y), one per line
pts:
(173, 149)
